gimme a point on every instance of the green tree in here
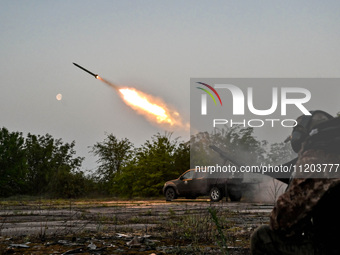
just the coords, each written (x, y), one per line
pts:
(67, 184)
(46, 157)
(155, 164)
(126, 171)
(182, 159)
(113, 155)
(13, 165)
(124, 183)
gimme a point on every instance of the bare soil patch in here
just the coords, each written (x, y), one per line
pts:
(128, 227)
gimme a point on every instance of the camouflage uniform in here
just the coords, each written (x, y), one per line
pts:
(266, 241)
(305, 219)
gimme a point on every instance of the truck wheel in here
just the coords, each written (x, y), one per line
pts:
(170, 194)
(215, 194)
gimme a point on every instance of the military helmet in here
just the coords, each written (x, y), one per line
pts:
(304, 127)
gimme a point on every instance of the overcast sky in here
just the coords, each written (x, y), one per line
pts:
(154, 46)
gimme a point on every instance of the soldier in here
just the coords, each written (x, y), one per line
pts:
(305, 219)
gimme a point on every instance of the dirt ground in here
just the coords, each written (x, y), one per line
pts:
(129, 227)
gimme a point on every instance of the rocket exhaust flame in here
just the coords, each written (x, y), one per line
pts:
(152, 108)
(148, 106)
(144, 104)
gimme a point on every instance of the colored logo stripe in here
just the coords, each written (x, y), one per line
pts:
(218, 96)
(208, 93)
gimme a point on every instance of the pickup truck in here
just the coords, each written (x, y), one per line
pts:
(192, 184)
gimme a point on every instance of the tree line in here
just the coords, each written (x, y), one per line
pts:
(37, 165)
(124, 170)
(42, 165)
